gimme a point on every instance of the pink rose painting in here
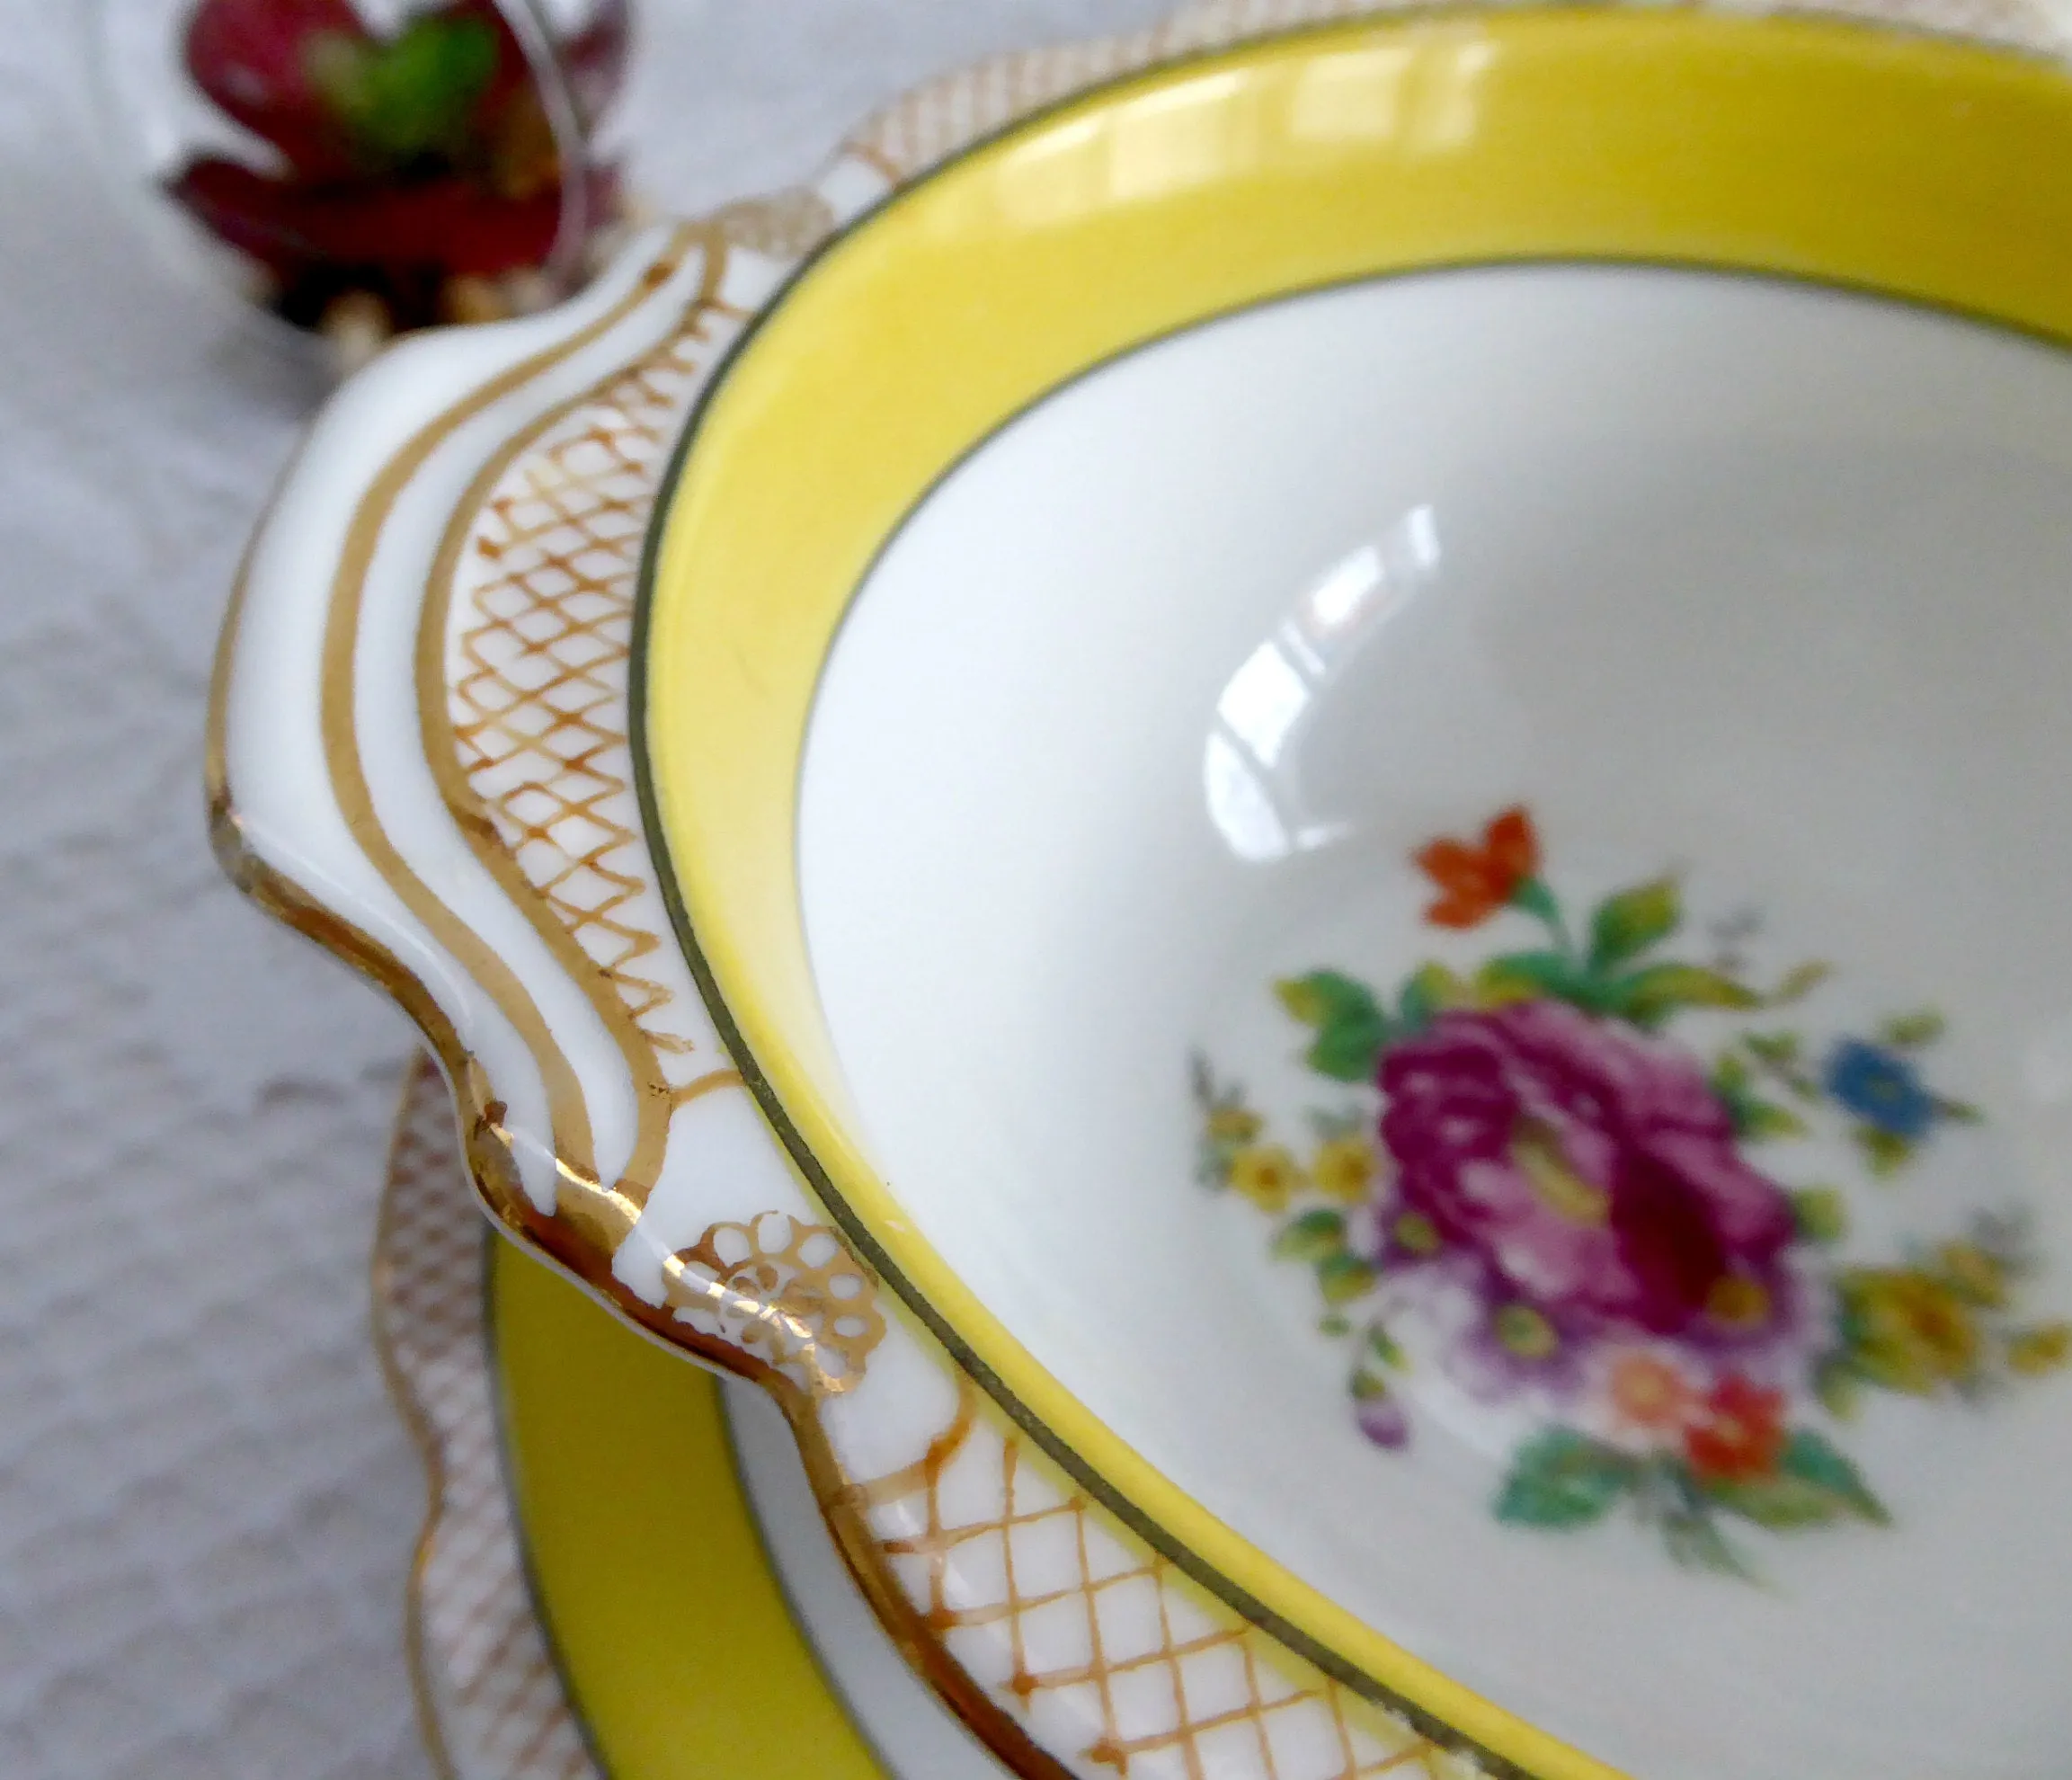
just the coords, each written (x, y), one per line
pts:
(1529, 1159)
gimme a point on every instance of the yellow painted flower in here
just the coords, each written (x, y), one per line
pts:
(1913, 1332)
(1977, 1276)
(1266, 1175)
(2033, 1352)
(1344, 1169)
(1233, 1124)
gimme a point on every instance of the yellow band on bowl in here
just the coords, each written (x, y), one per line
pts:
(1823, 151)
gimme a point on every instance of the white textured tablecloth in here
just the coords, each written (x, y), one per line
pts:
(207, 1506)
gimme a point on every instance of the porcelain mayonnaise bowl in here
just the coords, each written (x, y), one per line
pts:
(1280, 806)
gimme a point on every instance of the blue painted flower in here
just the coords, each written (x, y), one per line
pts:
(1881, 1088)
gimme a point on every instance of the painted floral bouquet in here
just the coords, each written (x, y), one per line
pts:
(1545, 1194)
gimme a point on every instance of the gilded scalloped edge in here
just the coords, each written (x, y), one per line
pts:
(897, 1528)
(525, 683)
(489, 1696)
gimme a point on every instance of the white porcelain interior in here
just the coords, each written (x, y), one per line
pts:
(1150, 702)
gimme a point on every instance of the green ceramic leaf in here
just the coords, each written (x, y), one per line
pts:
(1905, 1031)
(413, 96)
(1562, 1478)
(1312, 1236)
(1812, 1459)
(1822, 1214)
(1626, 925)
(1351, 1027)
(1367, 1387)
(1334, 1325)
(1959, 1112)
(1342, 1277)
(1649, 997)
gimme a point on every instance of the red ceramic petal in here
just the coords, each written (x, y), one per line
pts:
(249, 211)
(447, 226)
(250, 58)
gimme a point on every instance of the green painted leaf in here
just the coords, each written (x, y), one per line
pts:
(1840, 1388)
(1650, 996)
(1801, 980)
(1809, 1457)
(1905, 1031)
(1366, 1386)
(1342, 1277)
(1351, 1027)
(1696, 1544)
(1822, 1214)
(1562, 1478)
(1779, 1049)
(1312, 1236)
(1626, 925)
(1518, 976)
(1959, 1112)
(1433, 988)
(1383, 1345)
(1781, 1503)
(1533, 896)
(1334, 1324)
(1756, 1120)
(1324, 995)
(1414, 1008)
(1886, 1153)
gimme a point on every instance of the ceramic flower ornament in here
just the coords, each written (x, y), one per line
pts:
(1555, 1199)
(419, 170)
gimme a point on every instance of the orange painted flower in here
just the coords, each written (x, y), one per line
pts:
(1474, 882)
(1651, 1395)
(1739, 1433)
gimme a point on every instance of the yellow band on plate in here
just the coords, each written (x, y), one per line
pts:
(672, 1632)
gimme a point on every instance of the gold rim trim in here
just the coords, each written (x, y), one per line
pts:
(579, 1249)
(656, 1098)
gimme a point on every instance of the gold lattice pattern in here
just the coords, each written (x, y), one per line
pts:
(498, 1708)
(984, 1539)
(936, 119)
(788, 1293)
(542, 635)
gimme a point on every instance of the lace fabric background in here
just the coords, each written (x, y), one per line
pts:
(207, 1504)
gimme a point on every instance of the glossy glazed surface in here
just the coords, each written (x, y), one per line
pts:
(1221, 186)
